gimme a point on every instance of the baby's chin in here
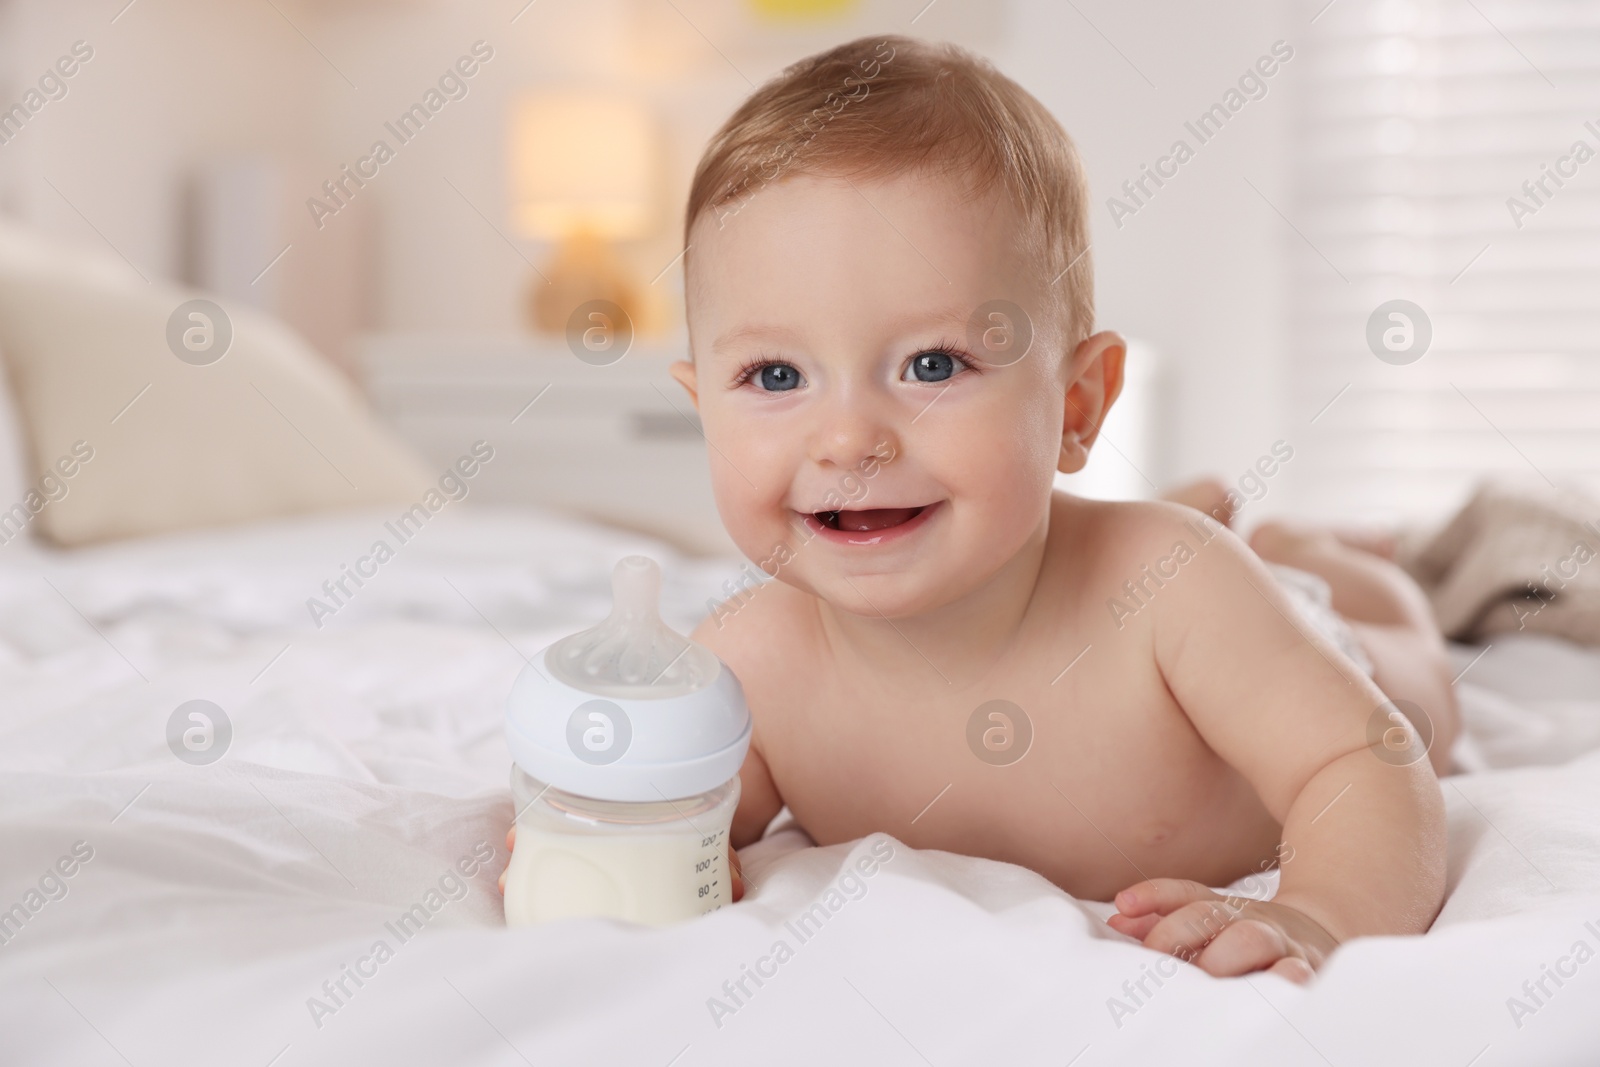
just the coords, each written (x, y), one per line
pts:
(884, 595)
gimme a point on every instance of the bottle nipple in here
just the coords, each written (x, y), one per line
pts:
(633, 653)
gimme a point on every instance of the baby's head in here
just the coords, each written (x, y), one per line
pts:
(890, 306)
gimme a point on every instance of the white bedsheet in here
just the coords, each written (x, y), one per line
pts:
(367, 760)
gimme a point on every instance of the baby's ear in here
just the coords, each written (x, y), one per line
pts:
(1094, 381)
(683, 371)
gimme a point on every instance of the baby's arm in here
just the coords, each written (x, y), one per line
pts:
(758, 800)
(1363, 848)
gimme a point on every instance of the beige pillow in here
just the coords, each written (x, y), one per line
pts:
(269, 429)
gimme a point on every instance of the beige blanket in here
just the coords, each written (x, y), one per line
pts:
(1514, 558)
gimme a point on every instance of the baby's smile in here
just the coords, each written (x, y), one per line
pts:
(869, 526)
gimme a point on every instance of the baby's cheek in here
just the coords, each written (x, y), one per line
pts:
(1005, 507)
(753, 516)
(1016, 505)
(1010, 476)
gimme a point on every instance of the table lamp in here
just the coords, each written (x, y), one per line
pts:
(583, 174)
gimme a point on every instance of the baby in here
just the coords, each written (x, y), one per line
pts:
(890, 310)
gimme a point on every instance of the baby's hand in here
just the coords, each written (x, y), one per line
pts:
(733, 865)
(1222, 935)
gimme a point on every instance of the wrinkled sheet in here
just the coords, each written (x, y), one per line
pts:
(223, 903)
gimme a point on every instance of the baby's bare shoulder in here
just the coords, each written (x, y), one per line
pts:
(1141, 560)
(760, 628)
(1114, 533)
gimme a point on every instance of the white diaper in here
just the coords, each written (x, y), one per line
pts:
(1312, 597)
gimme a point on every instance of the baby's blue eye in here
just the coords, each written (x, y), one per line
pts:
(779, 377)
(930, 367)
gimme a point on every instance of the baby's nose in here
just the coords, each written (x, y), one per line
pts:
(848, 449)
(849, 435)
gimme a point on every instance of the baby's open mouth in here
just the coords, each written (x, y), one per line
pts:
(869, 520)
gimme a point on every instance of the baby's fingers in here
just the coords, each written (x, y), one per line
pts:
(511, 844)
(1161, 896)
(1138, 929)
(1244, 946)
(1189, 929)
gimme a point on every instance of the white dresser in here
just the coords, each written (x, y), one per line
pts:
(618, 443)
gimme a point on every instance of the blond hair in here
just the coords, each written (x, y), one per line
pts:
(882, 106)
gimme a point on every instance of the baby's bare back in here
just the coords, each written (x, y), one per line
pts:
(1115, 784)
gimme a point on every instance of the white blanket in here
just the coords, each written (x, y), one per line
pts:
(232, 913)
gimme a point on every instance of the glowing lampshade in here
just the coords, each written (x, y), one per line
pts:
(582, 163)
(804, 10)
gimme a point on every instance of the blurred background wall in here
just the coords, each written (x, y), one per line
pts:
(1238, 274)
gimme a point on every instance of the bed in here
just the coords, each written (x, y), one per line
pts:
(230, 911)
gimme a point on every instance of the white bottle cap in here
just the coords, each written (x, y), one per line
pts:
(629, 709)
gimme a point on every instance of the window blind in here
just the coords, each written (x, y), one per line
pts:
(1448, 155)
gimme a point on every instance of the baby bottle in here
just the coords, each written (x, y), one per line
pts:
(627, 740)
